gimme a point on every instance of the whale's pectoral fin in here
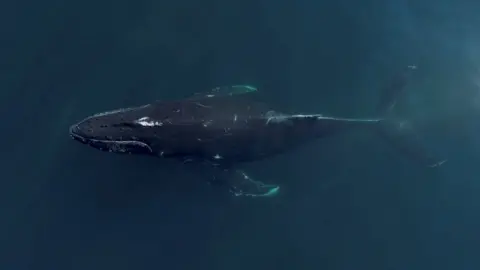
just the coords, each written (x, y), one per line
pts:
(223, 91)
(241, 184)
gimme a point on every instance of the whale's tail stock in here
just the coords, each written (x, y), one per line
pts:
(401, 133)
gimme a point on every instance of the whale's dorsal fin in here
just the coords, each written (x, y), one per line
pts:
(231, 90)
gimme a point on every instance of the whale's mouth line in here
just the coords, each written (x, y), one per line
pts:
(111, 145)
(75, 136)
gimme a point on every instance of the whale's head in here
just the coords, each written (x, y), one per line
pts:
(119, 131)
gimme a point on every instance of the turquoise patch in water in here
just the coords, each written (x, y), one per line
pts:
(245, 88)
(272, 192)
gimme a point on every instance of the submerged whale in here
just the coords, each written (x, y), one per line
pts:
(228, 126)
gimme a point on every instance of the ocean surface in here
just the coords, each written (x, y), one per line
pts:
(349, 202)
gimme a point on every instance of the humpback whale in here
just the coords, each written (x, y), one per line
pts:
(228, 126)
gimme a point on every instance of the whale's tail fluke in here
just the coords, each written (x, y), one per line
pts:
(400, 133)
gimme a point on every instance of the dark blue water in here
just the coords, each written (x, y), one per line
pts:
(348, 202)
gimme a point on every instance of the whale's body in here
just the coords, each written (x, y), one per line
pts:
(221, 129)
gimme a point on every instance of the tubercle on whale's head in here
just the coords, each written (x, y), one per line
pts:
(121, 130)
